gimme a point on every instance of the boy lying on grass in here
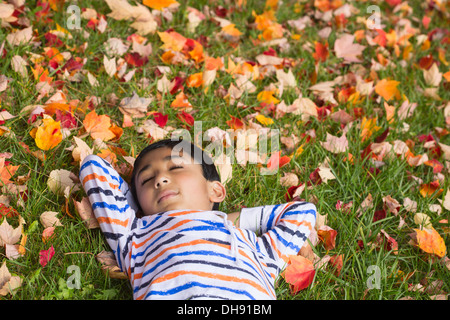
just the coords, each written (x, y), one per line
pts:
(169, 237)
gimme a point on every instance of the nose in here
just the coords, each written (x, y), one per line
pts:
(160, 180)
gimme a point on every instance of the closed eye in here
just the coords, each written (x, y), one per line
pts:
(174, 167)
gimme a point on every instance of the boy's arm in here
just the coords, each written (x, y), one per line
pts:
(107, 194)
(234, 217)
(282, 229)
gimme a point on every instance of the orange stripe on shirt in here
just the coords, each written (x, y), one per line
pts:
(299, 223)
(140, 244)
(182, 213)
(211, 276)
(99, 177)
(109, 220)
(191, 243)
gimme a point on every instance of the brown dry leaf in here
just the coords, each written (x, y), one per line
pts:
(49, 219)
(61, 181)
(8, 234)
(8, 283)
(135, 106)
(84, 209)
(432, 76)
(109, 265)
(20, 37)
(335, 144)
(81, 151)
(345, 48)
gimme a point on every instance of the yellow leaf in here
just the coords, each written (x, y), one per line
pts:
(267, 97)
(159, 4)
(368, 126)
(231, 30)
(264, 120)
(48, 135)
(388, 89)
(172, 40)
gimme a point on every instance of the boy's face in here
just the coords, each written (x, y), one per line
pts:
(167, 180)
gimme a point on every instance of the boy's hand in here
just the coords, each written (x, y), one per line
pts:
(234, 217)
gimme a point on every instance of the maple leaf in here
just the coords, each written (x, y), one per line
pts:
(8, 234)
(276, 161)
(98, 126)
(49, 219)
(134, 106)
(235, 123)
(172, 40)
(8, 283)
(345, 48)
(264, 120)
(430, 189)
(299, 273)
(159, 4)
(321, 53)
(181, 101)
(186, 118)
(368, 126)
(195, 80)
(6, 172)
(429, 241)
(388, 89)
(266, 96)
(48, 135)
(328, 236)
(335, 144)
(46, 255)
(84, 210)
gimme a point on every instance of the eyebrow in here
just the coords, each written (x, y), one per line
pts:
(166, 158)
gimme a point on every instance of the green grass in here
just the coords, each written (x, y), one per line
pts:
(76, 245)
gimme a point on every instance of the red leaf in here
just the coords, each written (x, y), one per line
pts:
(46, 255)
(135, 59)
(7, 211)
(160, 119)
(186, 118)
(299, 273)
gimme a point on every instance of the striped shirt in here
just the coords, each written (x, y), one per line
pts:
(195, 254)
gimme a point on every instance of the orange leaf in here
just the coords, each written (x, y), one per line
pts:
(195, 80)
(48, 135)
(172, 40)
(368, 126)
(159, 4)
(429, 241)
(197, 53)
(299, 273)
(213, 63)
(6, 172)
(98, 126)
(231, 30)
(235, 123)
(181, 101)
(328, 236)
(428, 189)
(321, 53)
(275, 161)
(388, 89)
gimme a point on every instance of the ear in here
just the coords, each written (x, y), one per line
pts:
(217, 191)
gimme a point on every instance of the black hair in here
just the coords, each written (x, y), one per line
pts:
(208, 168)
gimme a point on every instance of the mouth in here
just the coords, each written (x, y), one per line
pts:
(166, 195)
